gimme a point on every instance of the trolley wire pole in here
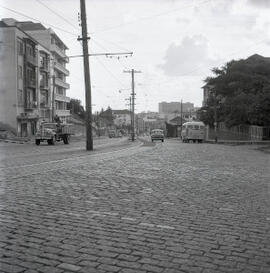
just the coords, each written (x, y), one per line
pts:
(88, 106)
(132, 71)
(86, 55)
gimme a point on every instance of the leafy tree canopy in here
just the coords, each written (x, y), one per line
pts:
(76, 108)
(241, 92)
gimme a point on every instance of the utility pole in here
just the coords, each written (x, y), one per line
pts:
(132, 71)
(53, 98)
(215, 117)
(181, 113)
(130, 110)
(88, 119)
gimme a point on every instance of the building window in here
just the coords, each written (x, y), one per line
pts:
(20, 72)
(20, 47)
(20, 97)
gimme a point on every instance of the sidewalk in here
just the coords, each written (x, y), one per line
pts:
(230, 142)
(239, 142)
(17, 140)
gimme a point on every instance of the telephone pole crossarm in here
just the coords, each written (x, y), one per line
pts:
(107, 54)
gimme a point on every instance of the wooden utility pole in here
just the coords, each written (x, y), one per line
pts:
(130, 110)
(132, 71)
(181, 113)
(53, 98)
(88, 105)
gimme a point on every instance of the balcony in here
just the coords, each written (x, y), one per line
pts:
(30, 106)
(44, 67)
(61, 68)
(31, 83)
(63, 98)
(61, 83)
(31, 59)
(62, 113)
(44, 84)
(44, 105)
(59, 52)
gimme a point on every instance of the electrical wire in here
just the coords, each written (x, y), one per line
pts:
(24, 15)
(148, 17)
(57, 14)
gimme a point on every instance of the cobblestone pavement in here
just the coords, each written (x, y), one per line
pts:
(171, 207)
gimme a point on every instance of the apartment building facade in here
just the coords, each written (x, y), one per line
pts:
(29, 70)
(20, 79)
(59, 60)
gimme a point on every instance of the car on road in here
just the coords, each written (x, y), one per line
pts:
(157, 134)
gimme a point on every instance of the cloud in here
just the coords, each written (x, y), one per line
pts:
(260, 3)
(187, 58)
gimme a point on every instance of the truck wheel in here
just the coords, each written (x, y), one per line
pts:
(51, 141)
(37, 141)
(66, 139)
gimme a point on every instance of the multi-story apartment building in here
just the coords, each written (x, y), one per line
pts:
(20, 79)
(59, 72)
(33, 77)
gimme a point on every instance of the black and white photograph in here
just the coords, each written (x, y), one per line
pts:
(134, 136)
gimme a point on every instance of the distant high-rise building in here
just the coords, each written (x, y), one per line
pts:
(174, 107)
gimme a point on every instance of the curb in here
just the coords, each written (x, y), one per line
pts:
(232, 142)
(15, 141)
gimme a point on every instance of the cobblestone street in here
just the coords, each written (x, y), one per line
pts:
(134, 208)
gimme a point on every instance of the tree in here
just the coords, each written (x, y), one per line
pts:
(76, 108)
(240, 91)
(107, 116)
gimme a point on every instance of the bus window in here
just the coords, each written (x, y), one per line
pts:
(196, 127)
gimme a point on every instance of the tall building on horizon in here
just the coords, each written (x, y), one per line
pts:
(174, 107)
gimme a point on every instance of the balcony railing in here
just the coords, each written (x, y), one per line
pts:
(30, 105)
(31, 83)
(44, 66)
(44, 84)
(61, 83)
(63, 98)
(62, 69)
(62, 113)
(31, 59)
(59, 52)
(44, 105)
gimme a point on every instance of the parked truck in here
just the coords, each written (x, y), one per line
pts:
(52, 132)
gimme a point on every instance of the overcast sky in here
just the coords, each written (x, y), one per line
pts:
(175, 43)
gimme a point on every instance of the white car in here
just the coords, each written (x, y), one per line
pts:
(157, 134)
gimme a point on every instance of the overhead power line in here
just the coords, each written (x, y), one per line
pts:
(149, 17)
(26, 16)
(57, 14)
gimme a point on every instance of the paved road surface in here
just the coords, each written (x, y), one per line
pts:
(171, 207)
